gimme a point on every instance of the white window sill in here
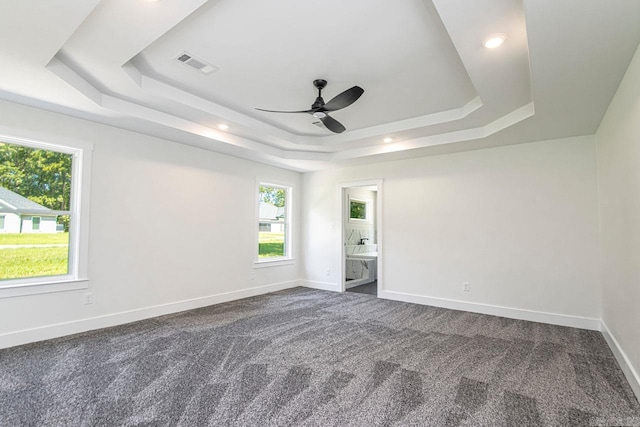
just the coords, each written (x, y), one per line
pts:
(274, 262)
(43, 287)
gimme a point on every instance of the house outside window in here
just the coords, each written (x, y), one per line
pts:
(274, 229)
(264, 226)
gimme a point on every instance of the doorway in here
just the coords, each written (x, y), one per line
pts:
(361, 242)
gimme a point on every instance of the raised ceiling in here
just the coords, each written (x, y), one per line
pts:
(271, 59)
(429, 82)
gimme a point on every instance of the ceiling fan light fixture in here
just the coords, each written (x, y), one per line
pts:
(319, 115)
(494, 40)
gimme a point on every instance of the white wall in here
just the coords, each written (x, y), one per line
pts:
(618, 142)
(11, 223)
(519, 223)
(145, 249)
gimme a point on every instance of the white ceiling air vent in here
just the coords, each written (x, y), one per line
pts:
(195, 63)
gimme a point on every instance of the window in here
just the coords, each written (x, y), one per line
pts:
(274, 207)
(357, 209)
(360, 210)
(40, 246)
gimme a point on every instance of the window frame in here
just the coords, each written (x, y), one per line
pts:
(288, 226)
(77, 267)
(33, 224)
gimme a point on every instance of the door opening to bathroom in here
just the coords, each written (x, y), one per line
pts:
(361, 237)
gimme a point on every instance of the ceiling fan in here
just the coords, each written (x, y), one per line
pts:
(320, 109)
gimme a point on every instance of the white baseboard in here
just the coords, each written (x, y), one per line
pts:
(323, 286)
(495, 310)
(26, 336)
(625, 364)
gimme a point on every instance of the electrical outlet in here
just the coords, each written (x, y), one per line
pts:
(88, 298)
(466, 286)
(252, 276)
(327, 272)
(332, 225)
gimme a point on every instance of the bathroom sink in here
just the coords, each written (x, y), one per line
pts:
(366, 255)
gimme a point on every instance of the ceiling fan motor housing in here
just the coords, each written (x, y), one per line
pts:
(319, 84)
(318, 104)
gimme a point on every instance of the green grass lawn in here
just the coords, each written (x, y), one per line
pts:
(33, 262)
(270, 245)
(34, 239)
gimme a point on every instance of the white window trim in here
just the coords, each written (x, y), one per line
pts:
(77, 276)
(288, 259)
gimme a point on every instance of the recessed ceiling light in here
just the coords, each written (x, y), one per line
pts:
(388, 140)
(494, 40)
(222, 126)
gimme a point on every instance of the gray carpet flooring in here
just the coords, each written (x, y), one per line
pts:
(303, 357)
(369, 289)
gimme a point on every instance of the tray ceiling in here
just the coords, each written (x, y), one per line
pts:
(429, 82)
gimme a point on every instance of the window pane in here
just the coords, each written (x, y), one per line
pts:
(34, 184)
(271, 243)
(273, 202)
(1, 222)
(358, 210)
(272, 222)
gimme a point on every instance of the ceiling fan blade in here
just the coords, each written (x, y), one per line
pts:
(288, 112)
(344, 99)
(332, 124)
